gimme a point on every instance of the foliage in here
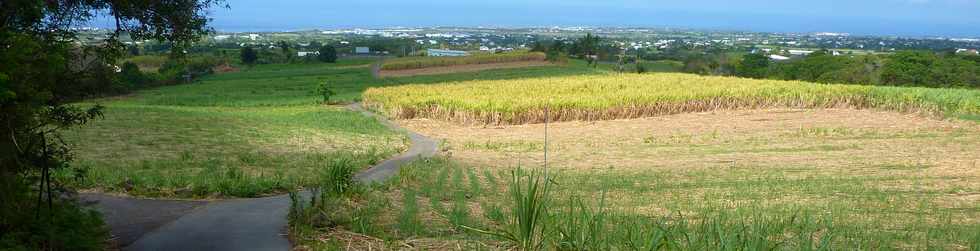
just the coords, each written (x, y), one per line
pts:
(617, 96)
(66, 226)
(249, 55)
(753, 66)
(923, 68)
(328, 54)
(338, 177)
(527, 226)
(425, 62)
(41, 71)
(586, 47)
(324, 90)
(538, 47)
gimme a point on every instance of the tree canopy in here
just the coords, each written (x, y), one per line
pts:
(327, 54)
(42, 70)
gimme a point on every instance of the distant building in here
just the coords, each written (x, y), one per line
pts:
(307, 53)
(967, 51)
(778, 57)
(362, 50)
(799, 52)
(446, 53)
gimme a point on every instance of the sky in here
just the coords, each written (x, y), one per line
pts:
(954, 18)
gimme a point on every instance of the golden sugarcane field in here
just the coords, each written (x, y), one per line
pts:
(624, 96)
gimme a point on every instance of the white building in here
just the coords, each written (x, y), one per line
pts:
(307, 53)
(362, 50)
(446, 53)
(799, 52)
(775, 57)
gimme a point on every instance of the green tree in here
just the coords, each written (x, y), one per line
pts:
(42, 72)
(327, 54)
(249, 55)
(537, 46)
(131, 75)
(908, 68)
(925, 68)
(753, 66)
(285, 48)
(315, 45)
(134, 50)
(588, 47)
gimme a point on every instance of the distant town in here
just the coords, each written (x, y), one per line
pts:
(413, 40)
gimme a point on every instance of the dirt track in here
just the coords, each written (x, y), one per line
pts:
(459, 69)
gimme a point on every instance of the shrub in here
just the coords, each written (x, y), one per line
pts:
(324, 91)
(328, 54)
(67, 226)
(248, 55)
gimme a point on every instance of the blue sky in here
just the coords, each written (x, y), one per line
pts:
(879, 17)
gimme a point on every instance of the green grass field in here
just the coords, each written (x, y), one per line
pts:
(242, 134)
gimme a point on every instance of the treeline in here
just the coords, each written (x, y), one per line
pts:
(172, 71)
(903, 68)
(284, 53)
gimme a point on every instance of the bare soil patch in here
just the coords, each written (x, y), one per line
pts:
(460, 68)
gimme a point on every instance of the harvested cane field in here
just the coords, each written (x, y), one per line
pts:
(409, 63)
(624, 96)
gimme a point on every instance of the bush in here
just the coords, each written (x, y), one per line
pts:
(132, 76)
(67, 226)
(328, 54)
(324, 90)
(178, 70)
(249, 56)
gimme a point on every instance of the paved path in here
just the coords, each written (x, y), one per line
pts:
(236, 224)
(421, 146)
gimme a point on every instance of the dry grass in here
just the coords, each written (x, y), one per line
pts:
(795, 143)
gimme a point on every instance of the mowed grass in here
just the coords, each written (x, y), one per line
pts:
(741, 208)
(248, 133)
(241, 134)
(797, 181)
(621, 96)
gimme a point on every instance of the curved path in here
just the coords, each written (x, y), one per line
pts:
(235, 224)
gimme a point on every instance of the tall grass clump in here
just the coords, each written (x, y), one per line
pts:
(581, 227)
(338, 177)
(408, 63)
(409, 223)
(622, 96)
(527, 225)
(328, 203)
